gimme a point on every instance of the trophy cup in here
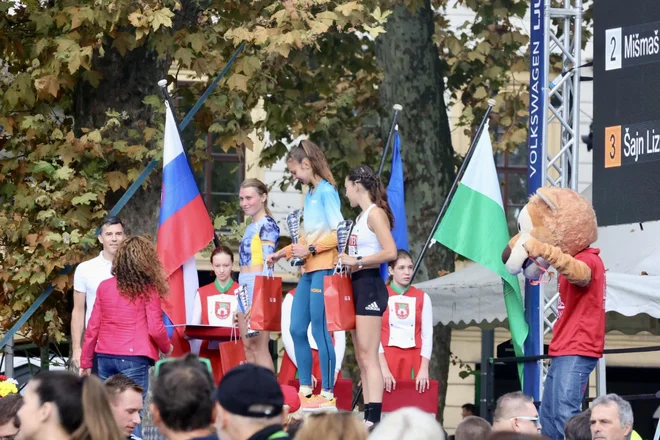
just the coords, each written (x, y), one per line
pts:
(243, 300)
(344, 229)
(293, 223)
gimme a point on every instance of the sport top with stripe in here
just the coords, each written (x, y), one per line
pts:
(321, 215)
(363, 241)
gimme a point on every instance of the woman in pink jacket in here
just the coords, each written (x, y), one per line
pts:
(126, 328)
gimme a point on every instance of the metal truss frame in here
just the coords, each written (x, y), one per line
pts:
(563, 38)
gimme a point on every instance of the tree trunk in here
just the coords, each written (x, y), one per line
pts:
(125, 82)
(414, 79)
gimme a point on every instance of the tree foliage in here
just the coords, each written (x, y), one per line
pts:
(310, 62)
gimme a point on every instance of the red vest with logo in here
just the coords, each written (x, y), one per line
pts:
(211, 290)
(412, 292)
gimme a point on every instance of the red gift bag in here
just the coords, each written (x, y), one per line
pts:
(232, 354)
(405, 395)
(338, 299)
(266, 311)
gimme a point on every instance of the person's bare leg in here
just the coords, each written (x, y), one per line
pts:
(368, 330)
(260, 350)
(248, 343)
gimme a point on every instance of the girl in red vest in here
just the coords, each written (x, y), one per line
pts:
(407, 331)
(215, 304)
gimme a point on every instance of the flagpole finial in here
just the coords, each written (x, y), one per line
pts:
(491, 102)
(397, 107)
(162, 83)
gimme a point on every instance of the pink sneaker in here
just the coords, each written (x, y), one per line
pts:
(318, 403)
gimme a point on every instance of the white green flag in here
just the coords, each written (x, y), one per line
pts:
(475, 227)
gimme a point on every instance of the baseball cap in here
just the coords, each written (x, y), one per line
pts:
(291, 398)
(250, 390)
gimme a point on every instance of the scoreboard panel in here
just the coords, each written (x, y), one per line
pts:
(626, 128)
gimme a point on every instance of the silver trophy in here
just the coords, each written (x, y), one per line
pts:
(293, 223)
(344, 229)
(244, 304)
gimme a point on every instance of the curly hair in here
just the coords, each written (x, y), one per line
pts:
(138, 269)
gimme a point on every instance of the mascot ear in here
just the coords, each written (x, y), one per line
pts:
(546, 200)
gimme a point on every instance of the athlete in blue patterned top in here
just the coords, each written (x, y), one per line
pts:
(258, 242)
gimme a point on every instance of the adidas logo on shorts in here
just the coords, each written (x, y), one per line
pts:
(373, 307)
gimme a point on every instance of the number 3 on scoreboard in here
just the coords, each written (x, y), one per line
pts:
(613, 49)
(613, 146)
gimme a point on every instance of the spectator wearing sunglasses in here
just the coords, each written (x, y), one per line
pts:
(515, 412)
(182, 406)
(9, 423)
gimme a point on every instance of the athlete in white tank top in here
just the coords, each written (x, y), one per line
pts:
(363, 242)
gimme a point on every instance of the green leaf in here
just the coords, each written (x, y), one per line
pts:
(43, 167)
(54, 237)
(196, 41)
(154, 101)
(84, 199)
(161, 17)
(480, 93)
(220, 222)
(57, 135)
(38, 278)
(46, 214)
(238, 82)
(94, 136)
(63, 173)
(184, 55)
(42, 20)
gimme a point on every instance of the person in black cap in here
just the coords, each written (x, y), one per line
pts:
(250, 405)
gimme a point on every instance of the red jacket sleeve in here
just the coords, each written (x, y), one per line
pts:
(92, 330)
(155, 323)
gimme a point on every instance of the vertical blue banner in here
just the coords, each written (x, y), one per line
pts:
(535, 173)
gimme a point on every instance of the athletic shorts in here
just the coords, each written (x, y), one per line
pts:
(369, 293)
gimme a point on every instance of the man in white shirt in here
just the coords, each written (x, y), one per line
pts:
(87, 278)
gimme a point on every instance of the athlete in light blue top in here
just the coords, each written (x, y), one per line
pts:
(322, 214)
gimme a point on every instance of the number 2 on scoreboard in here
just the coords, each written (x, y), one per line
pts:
(613, 146)
(613, 49)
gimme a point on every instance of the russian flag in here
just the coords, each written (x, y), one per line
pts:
(184, 228)
(396, 200)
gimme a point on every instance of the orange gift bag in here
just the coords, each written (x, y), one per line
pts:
(266, 314)
(338, 299)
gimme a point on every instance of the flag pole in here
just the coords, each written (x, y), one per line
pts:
(163, 85)
(452, 191)
(397, 108)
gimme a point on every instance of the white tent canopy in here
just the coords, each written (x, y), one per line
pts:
(631, 253)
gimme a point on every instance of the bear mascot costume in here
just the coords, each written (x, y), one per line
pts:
(556, 228)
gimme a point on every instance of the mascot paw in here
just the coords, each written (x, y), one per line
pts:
(533, 247)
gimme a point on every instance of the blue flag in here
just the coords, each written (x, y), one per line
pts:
(395, 199)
